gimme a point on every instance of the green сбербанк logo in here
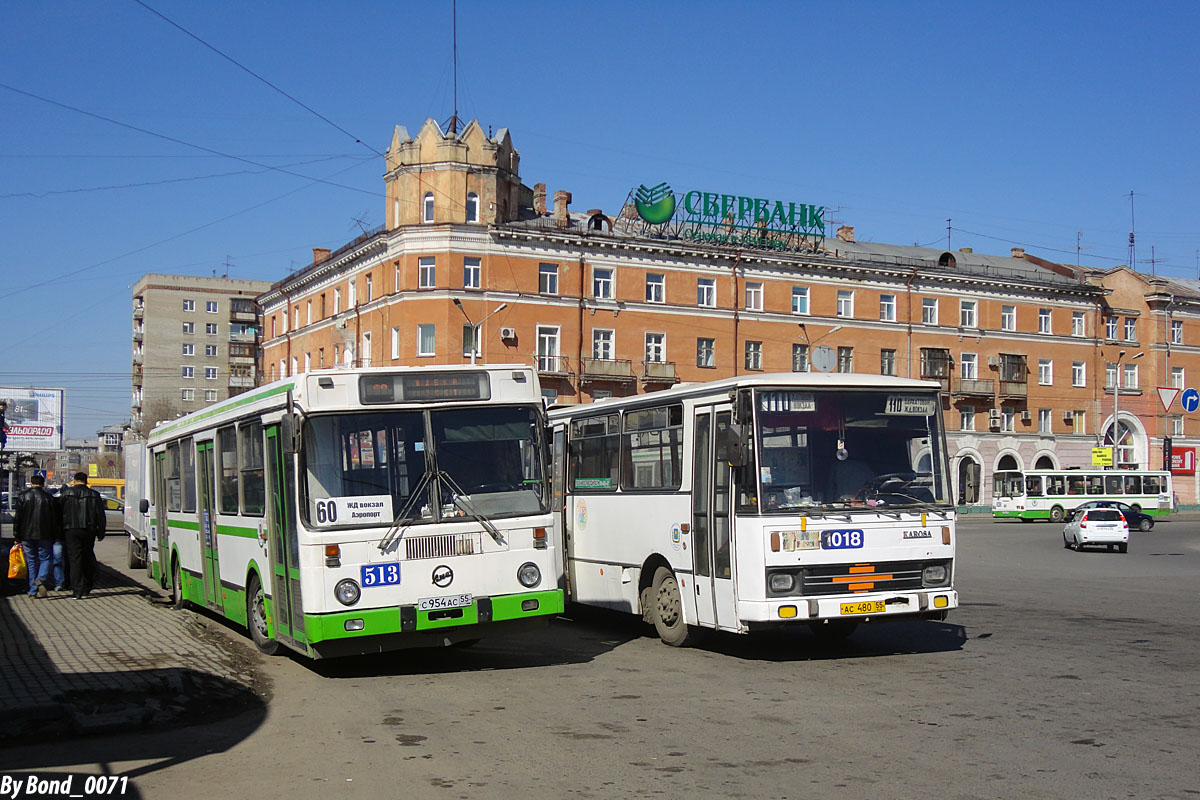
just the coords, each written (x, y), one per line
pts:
(654, 204)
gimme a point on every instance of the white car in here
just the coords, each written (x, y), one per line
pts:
(1096, 526)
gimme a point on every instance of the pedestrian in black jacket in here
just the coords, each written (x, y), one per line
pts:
(36, 524)
(83, 523)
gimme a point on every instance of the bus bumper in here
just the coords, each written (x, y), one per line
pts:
(871, 607)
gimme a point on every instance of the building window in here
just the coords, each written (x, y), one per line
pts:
(799, 299)
(190, 327)
(656, 347)
(887, 307)
(1045, 371)
(366, 349)
(337, 300)
(1131, 376)
(1044, 320)
(547, 349)
(1078, 373)
(189, 372)
(395, 345)
(472, 207)
(352, 297)
(187, 394)
(210, 373)
(1079, 422)
(210, 395)
(1130, 329)
(548, 278)
(1177, 425)
(754, 296)
(308, 362)
(1008, 318)
(211, 306)
(966, 418)
(929, 311)
(706, 292)
(887, 362)
(189, 349)
(799, 358)
(308, 313)
(1008, 420)
(1177, 378)
(1078, 326)
(845, 359)
(602, 345)
(426, 340)
(469, 346)
(471, 273)
(1110, 327)
(1176, 331)
(845, 303)
(936, 363)
(602, 283)
(706, 353)
(1045, 420)
(427, 208)
(966, 313)
(754, 355)
(370, 290)
(1110, 374)
(968, 366)
(295, 366)
(426, 272)
(189, 305)
(655, 287)
(210, 328)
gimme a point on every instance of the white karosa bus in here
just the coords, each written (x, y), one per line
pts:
(772, 499)
(359, 510)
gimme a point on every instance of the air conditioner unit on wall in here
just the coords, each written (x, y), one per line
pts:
(993, 361)
(1026, 415)
(508, 333)
(1068, 416)
(994, 418)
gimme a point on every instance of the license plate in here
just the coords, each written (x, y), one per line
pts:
(380, 574)
(449, 601)
(865, 607)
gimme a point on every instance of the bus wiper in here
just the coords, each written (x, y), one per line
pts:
(460, 500)
(397, 528)
(921, 505)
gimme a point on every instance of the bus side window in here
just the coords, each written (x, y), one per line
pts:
(652, 450)
(254, 485)
(1133, 484)
(1075, 485)
(595, 451)
(1112, 484)
(1033, 486)
(174, 493)
(1151, 484)
(187, 451)
(1056, 485)
(1095, 484)
(227, 470)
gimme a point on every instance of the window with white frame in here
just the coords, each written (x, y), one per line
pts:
(656, 347)
(352, 298)
(472, 207)
(210, 328)
(1008, 318)
(1176, 331)
(799, 299)
(929, 311)
(210, 395)
(189, 349)
(887, 362)
(1110, 374)
(706, 350)
(283, 368)
(1079, 422)
(1130, 329)
(845, 359)
(547, 349)
(426, 273)
(295, 366)
(426, 340)
(365, 351)
(966, 313)
(966, 418)
(706, 292)
(395, 343)
(396, 212)
(1078, 373)
(308, 362)
(210, 350)
(754, 296)
(210, 373)
(187, 394)
(190, 327)
(799, 358)
(370, 289)
(602, 283)
(427, 207)
(548, 278)
(337, 300)
(887, 307)
(754, 355)
(189, 372)
(968, 366)
(308, 313)
(1177, 378)
(602, 344)
(1044, 321)
(1177, 425)
(1045, 372)
(845, 303)
(1078, 324)
(1131, 376)
(1110, 327)
(1008, 419)
(211, 306)
(189, 305)
(655, 287)
(472, 272)
(1045, 420)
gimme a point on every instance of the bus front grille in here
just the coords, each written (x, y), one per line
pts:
(442, 545)
(824, 579)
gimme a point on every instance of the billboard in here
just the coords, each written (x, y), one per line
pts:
(1183, 460)
(34, 418)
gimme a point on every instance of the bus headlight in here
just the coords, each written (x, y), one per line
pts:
(935, 575)
(782, 582)
(529, 575)
(347, 592)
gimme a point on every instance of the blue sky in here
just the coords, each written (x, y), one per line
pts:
(1025, 124)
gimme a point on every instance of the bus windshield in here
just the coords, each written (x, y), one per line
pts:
(849, 449)
(426, 466)
(1008, 484)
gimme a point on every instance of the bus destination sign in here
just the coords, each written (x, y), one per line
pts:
(423, 388)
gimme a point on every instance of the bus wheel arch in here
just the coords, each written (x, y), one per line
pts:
(1057, 514)
(256, 616)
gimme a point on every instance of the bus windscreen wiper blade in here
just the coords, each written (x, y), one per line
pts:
(460, 500)
(397, 527)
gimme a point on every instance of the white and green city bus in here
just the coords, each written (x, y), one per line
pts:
(360, 510)
(1054, 494)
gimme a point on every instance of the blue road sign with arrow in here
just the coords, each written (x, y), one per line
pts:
(1190, 400)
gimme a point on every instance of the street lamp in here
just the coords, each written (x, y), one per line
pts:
(476, 325)
(1116, 404)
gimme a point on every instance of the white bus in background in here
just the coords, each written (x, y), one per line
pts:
(1054, 493)
(137, 502)
(360, 510)
(762, 501)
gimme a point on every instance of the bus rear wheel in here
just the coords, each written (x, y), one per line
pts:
(1057, 514)
(667, 608)
(256, 618)
(177, 586)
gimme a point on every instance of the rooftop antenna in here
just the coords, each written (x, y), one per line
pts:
(454, 121)
(1078, 245)
(1132, 229)
(947, 233)
(1152, 261)
(228, 266)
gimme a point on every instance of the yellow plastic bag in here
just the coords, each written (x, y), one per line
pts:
(16, 563)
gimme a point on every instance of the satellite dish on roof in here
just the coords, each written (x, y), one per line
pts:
(824, 358)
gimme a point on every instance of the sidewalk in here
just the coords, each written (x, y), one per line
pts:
(119, 660)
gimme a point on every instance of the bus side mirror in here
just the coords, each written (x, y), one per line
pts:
(144, 506)
(289, 433)
(732, 446)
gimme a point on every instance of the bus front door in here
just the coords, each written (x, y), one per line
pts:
(712, 524)
(287, 611)
(210, 560)
(159, 532)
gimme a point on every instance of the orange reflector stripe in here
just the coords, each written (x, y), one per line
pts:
(774, 542)
(861, 587)
(861, 570)
(852, 578)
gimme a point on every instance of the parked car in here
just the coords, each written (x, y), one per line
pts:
(1096, 526)
(1135, 517)
(114, 515)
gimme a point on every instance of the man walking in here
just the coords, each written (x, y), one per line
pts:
(83, 523)
(36, 525)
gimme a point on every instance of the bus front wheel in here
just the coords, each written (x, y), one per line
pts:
(177, 586)
(256, 617)
(667, 608)
(1057, 514)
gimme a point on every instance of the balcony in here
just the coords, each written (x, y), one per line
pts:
(942, 380)
(241, 359)
(138, 334)
(608, 369)
(137, 358)
(243, 337)
(1014, 389)
(970, 386)
(659, 372)
(553, 366)
(139, 312)
(236, 315)
(241, 381)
